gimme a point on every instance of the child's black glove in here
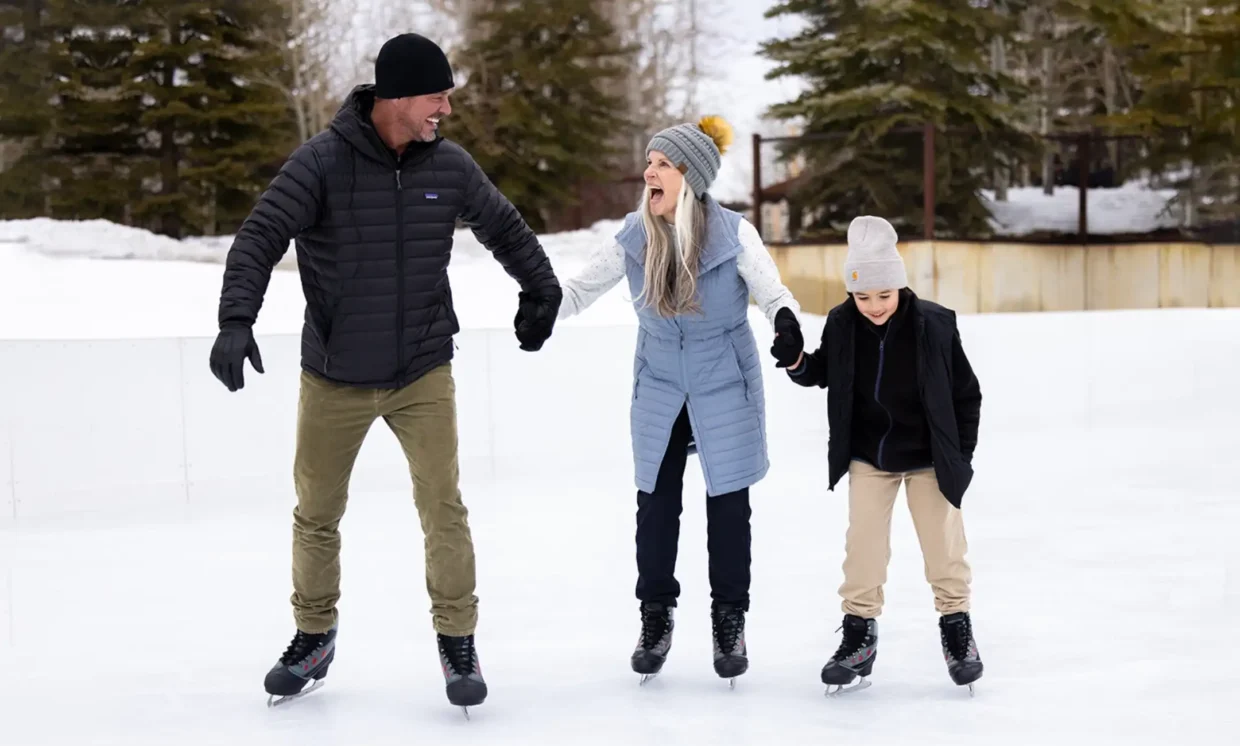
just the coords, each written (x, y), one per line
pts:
(788, 343)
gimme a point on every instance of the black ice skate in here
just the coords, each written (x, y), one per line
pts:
(854, 658)
(655, 640)
(306, 660)
(462, 672)
(964, 664)
(731, 654)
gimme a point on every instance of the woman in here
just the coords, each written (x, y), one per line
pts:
(691, 267)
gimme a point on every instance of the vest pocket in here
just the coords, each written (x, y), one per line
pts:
(740, 369)
(637, 376)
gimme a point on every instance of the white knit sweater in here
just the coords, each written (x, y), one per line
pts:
(605, 269)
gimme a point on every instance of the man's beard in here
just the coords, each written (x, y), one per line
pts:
(421, 133)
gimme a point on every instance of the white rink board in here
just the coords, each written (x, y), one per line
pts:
(122, 425)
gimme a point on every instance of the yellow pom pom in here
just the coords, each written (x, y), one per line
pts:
(719, 130)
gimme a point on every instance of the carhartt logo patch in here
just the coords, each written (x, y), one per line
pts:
(854, 275)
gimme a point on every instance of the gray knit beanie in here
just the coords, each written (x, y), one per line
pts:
(873, 263)
(696, 149)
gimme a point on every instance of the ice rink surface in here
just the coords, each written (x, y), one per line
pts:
(1100, 523)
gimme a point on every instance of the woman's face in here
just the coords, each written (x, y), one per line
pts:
(663, 182)
(878, 306)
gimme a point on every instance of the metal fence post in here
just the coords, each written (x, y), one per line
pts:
(927, 167)
(757, 182)
(1082, 154)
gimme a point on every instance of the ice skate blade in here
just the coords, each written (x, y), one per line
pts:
(465, 710)
(275, 700)
(732, 683)
(647, 678)
(862, 683)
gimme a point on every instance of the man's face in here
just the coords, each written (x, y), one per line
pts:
(420, 115)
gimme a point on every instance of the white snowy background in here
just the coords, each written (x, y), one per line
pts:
(144, 536)
(138, 608)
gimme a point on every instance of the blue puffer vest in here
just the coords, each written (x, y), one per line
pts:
(708, 361)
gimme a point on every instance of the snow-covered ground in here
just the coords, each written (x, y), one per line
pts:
(44, 268)
(1101, 528)
(50, 270)
(1131, 208)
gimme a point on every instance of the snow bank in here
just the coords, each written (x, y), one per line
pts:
(54, 286)
(1131, 208)
(102, 239)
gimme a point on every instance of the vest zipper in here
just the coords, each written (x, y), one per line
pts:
(684, 379)
(400, 277)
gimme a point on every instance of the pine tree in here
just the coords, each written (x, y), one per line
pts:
(25, 113)
(1185, 57)
(534, 110)
(156, 116)
(93, 154)
(874, 69)
(217, 133)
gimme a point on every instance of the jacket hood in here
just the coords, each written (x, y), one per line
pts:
(352, 122)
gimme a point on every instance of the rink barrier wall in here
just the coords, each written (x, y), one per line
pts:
(140, 426)
(1013, 277)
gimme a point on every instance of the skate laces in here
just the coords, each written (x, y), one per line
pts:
(654, 626)
(955, 636)
(300, 647)
(728, 624)
(853, 640)
(459, 653)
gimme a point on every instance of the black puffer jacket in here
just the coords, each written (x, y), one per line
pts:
(948, 389)
(374, 237)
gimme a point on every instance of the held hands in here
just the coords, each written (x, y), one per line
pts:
(233, 345)
(789, 344)
(536, 314)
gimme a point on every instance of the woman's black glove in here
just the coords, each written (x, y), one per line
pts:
(789, 344)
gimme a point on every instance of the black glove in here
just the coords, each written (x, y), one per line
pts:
(788, 343)
(233, 345)
(536, 314)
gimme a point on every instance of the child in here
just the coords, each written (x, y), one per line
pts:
(903, 405)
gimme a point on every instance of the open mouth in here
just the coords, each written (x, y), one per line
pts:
(656, 195)
(433, 120)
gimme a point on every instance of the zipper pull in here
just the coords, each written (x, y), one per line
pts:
(398, 185)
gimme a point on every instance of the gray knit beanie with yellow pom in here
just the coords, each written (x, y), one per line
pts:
(696, 149)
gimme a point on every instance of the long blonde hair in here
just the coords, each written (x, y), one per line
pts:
(672, 254)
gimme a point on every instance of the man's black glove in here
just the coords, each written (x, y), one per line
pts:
(788, 343)
(536, 314)
(233, 345)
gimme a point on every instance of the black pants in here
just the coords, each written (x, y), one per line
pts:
(658, 532)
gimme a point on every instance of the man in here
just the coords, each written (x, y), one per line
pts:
(372, 203)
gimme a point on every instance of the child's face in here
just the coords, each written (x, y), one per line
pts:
(878, 306)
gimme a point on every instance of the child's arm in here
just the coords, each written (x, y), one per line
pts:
(812, 368)
(966, 397)
(604, 269)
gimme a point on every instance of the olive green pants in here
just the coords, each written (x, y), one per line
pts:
(332, 422)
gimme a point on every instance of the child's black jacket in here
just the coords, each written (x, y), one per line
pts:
(950, 393)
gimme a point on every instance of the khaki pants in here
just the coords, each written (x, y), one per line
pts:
(867, 549)
(332, 421)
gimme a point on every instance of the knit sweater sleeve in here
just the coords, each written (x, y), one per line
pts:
(603, 270)
(758, 270)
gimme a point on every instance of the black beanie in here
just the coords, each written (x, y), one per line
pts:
(411, 65)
